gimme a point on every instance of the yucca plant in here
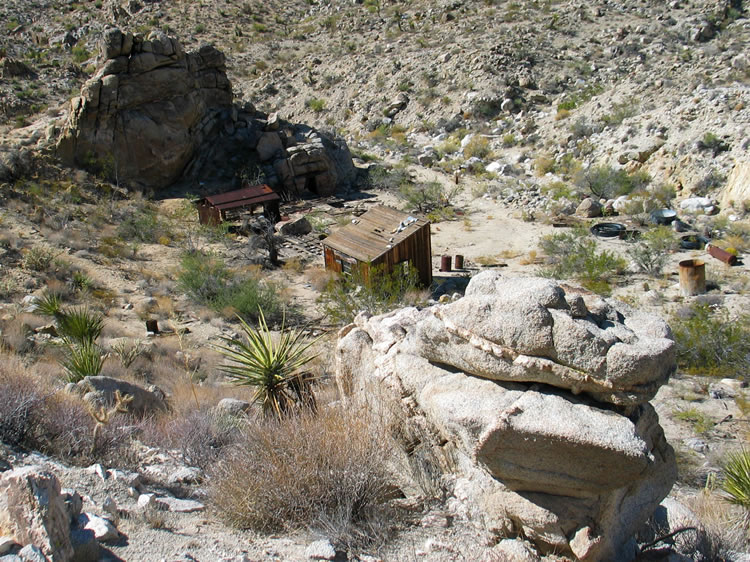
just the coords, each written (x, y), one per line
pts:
(82, 360)
(273, 366)
(48, 304)
(80, 325)
(737, 479)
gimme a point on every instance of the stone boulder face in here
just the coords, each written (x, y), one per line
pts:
(147, 109)
(540, 399)
(33, 511)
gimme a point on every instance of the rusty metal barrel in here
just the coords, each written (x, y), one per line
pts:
(721, 254)
(692, 277)
(458, 262)
(445, 263)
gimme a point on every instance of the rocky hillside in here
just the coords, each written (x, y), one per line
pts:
(626, 82)
(525, 420)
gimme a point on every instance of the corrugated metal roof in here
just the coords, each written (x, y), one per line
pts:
(241, 197)
(374, 233)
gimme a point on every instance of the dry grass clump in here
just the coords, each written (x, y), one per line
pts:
(327, 472)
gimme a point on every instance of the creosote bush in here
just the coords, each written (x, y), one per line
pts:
(325, 472)
(606, 182)
(651, 253)
(710, 343)
(205, 278)
(576, 255)
(347, 295)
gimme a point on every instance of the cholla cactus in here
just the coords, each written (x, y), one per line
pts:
(103, 415)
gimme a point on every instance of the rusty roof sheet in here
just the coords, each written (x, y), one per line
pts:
(374, 233)
(240, 197)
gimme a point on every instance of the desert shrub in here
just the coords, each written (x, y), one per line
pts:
(79, 325)
(316, 104)
(326, 472)
(606, 182)
(709, 343)
(82, 360)
(736, 483)
(201, 435)
(205, 279)
(477, 146)
(38, 258)
(651, 253)
(36, 416)
(620, 112)
(143, 224)
(347, 295)
(422, 196)
(380, 177)
(575, 256)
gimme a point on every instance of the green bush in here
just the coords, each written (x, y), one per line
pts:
(575, 255)
(143, 224)
(477, 146)
(205, 279)
(651, 253)
(316, 104)
(423, 196)
(606, 182)
(38, 258)
(710, 343)
(381, 177)
(347, 295)
(79, 325)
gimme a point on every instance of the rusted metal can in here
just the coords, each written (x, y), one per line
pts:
(692, 277)
(458, 262)
(445, 263)
(722, 255)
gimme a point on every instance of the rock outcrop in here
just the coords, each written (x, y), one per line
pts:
(147, 109)
(153, 114)
(540, 400)
(32, 511)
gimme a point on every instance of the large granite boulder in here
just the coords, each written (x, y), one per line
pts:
(538, 397)
(32, 511)
(147, 109)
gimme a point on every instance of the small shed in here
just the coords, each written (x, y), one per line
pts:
(214, 209)
(381, 236)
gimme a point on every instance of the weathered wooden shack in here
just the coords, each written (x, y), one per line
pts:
(381, 237)
(215, 209)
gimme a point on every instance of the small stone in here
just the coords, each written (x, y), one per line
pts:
(102, 528)
(176, 505)
(320, 550)
(31, 553)
(99, 470)
(696, 444)
(130, 479)
(146, 501)
(110, 507)
(186, 475)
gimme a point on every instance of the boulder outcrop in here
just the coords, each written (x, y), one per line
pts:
(540, 399)
(147, 109)
(154, 114)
